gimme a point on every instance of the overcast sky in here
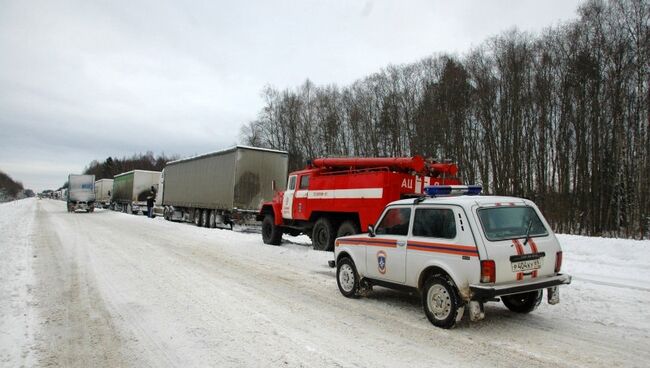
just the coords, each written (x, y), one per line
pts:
(84, 80)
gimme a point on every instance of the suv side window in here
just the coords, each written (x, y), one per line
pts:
(434, 223)
(395, 222)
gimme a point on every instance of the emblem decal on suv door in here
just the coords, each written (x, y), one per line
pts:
(381, 262)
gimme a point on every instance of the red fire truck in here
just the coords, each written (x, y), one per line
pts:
(334, 197)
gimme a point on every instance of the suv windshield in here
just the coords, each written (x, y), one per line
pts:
(501, 223)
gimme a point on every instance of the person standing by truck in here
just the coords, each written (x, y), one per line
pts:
(151, 198)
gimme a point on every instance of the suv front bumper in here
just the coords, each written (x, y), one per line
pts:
(485, 292)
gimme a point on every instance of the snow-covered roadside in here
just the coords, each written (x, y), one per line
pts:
(16, 281)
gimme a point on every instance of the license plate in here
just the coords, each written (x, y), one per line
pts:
(529, 265)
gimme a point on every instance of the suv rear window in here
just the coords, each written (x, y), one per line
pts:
(500, 223)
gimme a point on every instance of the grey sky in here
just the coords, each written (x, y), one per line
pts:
(84, 80)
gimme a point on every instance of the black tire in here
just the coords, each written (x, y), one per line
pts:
(212, 219)
(205, 218)
(347, 278)
(524, 302)
(197, 217)
(271, 234)
(347, 228)
(440, 301)
(322, 237)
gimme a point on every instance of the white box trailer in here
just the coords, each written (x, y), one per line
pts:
(103, 191)
(223, 188)
(81, 193)
(131, 189)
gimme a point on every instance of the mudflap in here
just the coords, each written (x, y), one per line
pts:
(553, 294)
(461, 312)
(476, 311)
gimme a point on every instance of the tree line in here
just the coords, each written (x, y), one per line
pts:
(9, 188)
(559, 117)
(113, 166)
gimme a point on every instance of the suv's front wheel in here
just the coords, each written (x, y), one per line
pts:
(440, 301)
(347, 278)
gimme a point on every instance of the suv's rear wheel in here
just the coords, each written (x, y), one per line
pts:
(524, 302)
(271, 234)
(347, 278)
(322, 236)
(440, 301)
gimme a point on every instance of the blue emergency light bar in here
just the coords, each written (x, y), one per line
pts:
(448, 190)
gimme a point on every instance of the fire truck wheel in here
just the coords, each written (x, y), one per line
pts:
(271, 234)
(322, 236)
(524, 302)
(347, 228)
(197, 217)
(440, 301)
(347, 278)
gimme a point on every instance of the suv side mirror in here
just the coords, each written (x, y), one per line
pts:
(371, 231)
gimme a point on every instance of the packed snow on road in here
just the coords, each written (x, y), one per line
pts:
(111, 289)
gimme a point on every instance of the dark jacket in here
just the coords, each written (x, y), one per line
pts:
(151, 198)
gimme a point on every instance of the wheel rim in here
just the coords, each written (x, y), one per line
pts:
(346, 278)
(439, 302)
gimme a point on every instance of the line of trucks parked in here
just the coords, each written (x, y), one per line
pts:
(243, 185)
(457, 251)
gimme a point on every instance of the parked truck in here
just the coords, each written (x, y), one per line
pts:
(334, 197)
(103, 191)
(81, 193)
(131, 189)
(223, 188)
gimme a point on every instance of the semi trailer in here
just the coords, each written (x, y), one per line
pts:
(131, 189)
(223, 188)
(81, 193)
(103, 191)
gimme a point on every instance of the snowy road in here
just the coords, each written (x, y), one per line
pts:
(109, 289)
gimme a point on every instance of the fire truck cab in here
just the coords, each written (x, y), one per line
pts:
(335, 197)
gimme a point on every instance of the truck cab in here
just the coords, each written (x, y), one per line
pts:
(458, 250)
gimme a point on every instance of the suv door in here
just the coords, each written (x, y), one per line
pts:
(386, 252)
(439, 232)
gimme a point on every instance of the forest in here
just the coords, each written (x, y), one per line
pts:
(113, 166)
(9, 188)
(560, 117)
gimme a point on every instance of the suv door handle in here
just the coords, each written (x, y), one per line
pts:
(401, 243)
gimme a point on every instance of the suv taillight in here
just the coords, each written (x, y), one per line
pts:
(558, 261)
(488, 271)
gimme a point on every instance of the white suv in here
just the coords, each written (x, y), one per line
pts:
(458, 249)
